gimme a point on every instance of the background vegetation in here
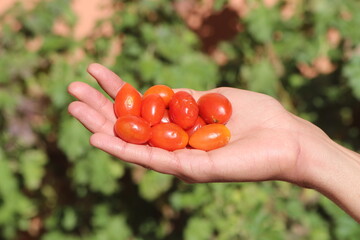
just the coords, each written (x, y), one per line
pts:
(55, 186)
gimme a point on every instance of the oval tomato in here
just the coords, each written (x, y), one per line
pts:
(210, 137)
(183, 109)
(127, 101)
(198, 124)
(168, 136)
(214, 108)
(133, 129)
(164, 91)
(152, 108)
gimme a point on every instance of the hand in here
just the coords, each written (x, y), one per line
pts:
(267, 143)
(264, 143)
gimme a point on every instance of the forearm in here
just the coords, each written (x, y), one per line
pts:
(344, 185)
(336, 174)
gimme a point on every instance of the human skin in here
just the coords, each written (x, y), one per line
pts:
(267, 143)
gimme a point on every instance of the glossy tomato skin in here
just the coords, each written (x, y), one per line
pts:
(164, 91)
(168, 136)
(127, 101)
(133, 129)
(214, 108)
(183, 110)
(165, 118)
(152, 108)
(209, 137)
(198, 124)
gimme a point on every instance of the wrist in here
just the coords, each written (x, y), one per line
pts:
(333, 171)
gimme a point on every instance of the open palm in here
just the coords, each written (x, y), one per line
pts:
(264, 143)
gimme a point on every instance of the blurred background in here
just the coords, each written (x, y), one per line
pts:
(55, 186)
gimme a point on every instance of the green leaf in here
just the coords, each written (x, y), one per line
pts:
(12, 202)
(58, 235)
(40, 19)
(199, 229)
(149, 67)
(261, 77)
(153, 184)
(56, 43)
(103, 176)
(8, 182)
(99, 171)
(32, 167)
(73, 138)
(101, 215)
(61, 75)
(197, 196)
(69, 219)
(129, 18)
(292, 43)
(352, 73)
(193, 71)
(169, 43)
(219, 4)
(8, 101)
(116, 228)
(17, 64)
(262, 22)
(346, 26)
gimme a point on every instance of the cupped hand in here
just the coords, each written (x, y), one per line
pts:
(265, 142)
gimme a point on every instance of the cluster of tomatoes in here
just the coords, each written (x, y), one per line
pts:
(168, 120)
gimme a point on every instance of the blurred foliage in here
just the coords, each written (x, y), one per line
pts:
(54, 185)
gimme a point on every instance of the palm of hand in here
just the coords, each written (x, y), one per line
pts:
(263, 144)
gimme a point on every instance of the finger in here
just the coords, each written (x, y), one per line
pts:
(154, 158)
(93, 98)
(108, 80)
(90, 118)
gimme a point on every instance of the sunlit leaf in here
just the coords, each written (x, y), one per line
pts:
(199, 229)
(262, 23)
(352, 73)
(98, 171)
(261, 77)
(32, 167)
(116, 228)
(153, 184)
(73, 138)
(69, 219)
